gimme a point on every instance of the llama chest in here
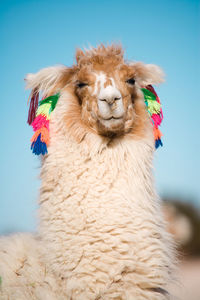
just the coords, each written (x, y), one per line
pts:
(102, 190)
(100, 222)
(96, 205)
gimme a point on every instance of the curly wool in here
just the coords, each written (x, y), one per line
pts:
(101, 229)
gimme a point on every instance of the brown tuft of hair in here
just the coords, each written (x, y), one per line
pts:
(112, 54)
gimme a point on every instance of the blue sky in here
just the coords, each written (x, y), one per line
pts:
(37, 34)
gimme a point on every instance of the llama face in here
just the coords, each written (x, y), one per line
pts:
(108, 99)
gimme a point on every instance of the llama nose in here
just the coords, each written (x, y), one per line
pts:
(110, 95)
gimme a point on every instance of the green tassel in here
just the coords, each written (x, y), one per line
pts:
(148, 95)
(52, 100)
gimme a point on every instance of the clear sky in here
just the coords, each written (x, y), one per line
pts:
(37, 34)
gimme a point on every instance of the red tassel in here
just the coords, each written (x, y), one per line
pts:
(151, 89)
(33, 106)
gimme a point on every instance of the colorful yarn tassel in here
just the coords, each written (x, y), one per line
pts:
(38, 147)
(40, 121)
(153, 105)
(33, 106)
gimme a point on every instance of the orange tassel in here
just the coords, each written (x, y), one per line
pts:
(44, 135)
(157, 133)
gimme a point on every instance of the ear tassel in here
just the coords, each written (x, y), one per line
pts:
(44, 135)
(40, 122)
(153, 105)
(157, 119)
(38, 147)
(33, 106)
(44, 110)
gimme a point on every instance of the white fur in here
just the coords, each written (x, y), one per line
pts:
(155, 74)
(148, 73)
(45, 79)
(107, 105)
(101, 230)
(100, 78)
(109, 93)
(113, 82)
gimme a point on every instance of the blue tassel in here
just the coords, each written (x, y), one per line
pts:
(158, 143)
(38, 147)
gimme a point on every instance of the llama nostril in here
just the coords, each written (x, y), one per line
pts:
(110, 101)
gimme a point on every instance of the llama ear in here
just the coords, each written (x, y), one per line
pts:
(79, 55)
(147, 74)
(48, 80)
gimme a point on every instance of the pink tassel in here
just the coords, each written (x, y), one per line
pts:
(40, 121)
(156, 119)
(33, 106)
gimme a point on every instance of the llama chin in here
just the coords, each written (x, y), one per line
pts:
(101, 233)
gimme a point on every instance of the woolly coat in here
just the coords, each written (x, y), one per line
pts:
(101, 233)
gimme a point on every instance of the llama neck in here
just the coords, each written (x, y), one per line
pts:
(85, 195)
(96, 170)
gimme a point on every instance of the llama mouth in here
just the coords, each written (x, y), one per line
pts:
(112, 123)
(112, 118)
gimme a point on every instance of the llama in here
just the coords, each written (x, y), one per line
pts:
(101, 233)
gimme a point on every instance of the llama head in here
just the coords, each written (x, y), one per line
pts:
(106, 92)
(109, 90)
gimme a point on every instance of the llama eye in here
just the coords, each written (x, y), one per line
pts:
(81, 84)
(131, 81)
